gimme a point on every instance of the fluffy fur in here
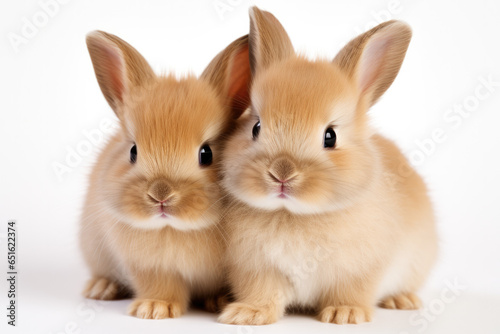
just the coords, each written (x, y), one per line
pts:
(346, 228)
(150, 227)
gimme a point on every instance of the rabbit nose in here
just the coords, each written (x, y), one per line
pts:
(282, 170)
(160, 191)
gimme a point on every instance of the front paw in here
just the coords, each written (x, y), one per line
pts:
(155, 309)
(345, 314)
(403, 301)
(102, 289)
(246, 314)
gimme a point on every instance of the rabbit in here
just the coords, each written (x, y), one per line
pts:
(150, 223)
(314, 220)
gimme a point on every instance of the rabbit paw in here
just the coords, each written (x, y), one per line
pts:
(216, 303)
(345, 314)
(155, 309)
(101, 288)
(245, 314)
(403, 301)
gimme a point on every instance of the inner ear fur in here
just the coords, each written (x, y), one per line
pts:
(374, 58)
(229, 73)
(119, 67)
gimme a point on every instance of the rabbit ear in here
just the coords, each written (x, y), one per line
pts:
(118, 67)
(229, 72)
(374, 58)
(269, 41)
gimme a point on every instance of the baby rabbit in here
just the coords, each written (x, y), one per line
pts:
(150, 221)
(314, 221)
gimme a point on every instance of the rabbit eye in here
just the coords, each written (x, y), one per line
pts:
(330, 138)
(133, 154)
(256, 130)
(205, 155)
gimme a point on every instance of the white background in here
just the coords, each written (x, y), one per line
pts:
(49, 96)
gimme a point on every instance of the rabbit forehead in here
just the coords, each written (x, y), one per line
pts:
(176, 114)
(302, 93)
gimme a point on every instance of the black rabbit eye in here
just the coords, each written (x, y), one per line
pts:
(205, 155)
(330, 138)
(256, 130)
(133, 154)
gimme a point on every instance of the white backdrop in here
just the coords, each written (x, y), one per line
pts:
(442, 110)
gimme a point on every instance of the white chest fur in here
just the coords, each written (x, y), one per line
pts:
(305, 260)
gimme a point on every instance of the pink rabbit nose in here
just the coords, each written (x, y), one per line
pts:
(282, 170)
(160, 191)
(164, 202)
(277, 179)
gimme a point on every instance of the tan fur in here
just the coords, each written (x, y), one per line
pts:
(129, 247)
(346, 237)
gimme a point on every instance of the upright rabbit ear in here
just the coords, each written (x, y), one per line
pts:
(374, 58)
(269, 41)
(118, 67)
(229, 73)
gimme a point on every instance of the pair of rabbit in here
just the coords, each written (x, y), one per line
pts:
(263, 175)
